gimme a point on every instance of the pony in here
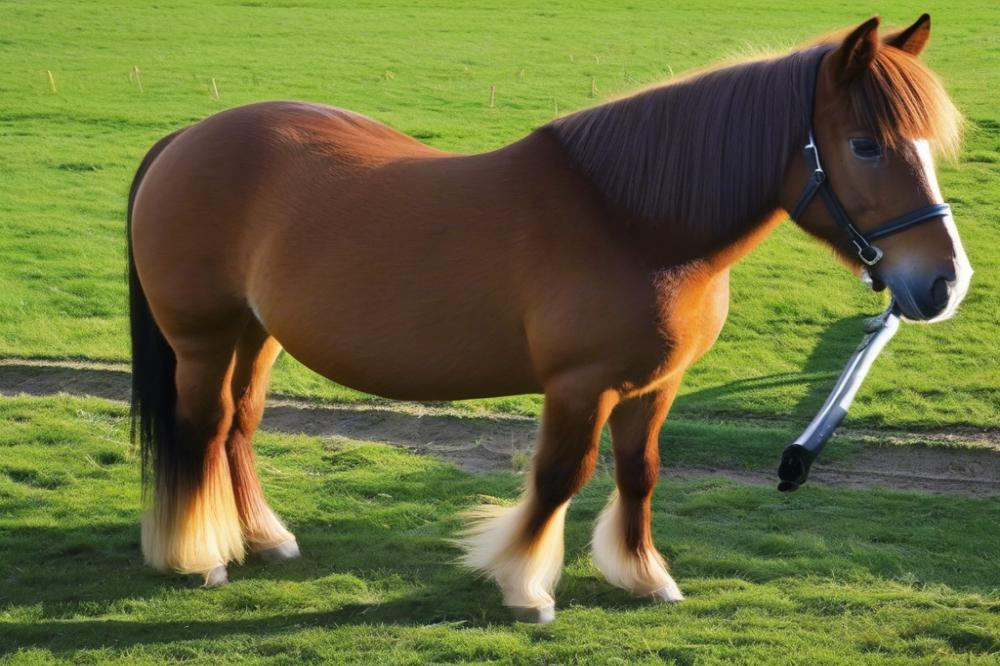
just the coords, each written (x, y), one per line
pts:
(588, 261)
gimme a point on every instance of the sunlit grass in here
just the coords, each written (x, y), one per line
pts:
(66, 159)
(822, 576)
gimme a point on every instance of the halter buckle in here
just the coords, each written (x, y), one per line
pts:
(870, 254)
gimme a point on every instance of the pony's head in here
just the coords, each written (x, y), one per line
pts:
(879, 117)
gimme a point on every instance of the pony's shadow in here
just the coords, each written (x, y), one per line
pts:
(468, 608)
(55, 574)
(445, 594)
(817, 374)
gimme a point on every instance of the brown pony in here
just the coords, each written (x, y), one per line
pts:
(589, 261)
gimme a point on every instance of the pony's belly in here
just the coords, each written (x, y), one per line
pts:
(430, 358)
(399, 378)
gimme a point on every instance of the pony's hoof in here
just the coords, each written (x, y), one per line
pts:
(541, 615)
(216, 577)
(669, 593)
(286, 551)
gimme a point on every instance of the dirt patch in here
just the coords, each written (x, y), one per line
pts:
(102, 380)
(972, 473)
(961, 435)
(476, 444)
(500, 442)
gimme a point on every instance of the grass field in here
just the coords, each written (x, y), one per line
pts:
(67, 157)
(827, 575)
(823, 576)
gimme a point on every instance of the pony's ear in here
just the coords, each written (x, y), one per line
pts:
(913, 39)
(857, 51)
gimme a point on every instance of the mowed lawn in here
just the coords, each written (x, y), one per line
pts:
(823, 576)
(819, 577)
(70, 144)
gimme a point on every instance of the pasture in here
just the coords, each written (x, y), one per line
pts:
(829, 575)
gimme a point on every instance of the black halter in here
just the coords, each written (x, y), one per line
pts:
(870, 254)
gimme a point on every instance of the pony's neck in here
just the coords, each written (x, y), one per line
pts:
(699, 163)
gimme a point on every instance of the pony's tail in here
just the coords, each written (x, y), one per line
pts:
(154, 393)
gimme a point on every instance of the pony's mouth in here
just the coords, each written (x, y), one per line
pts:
(909, 309)
(872, 281)
(913, 310)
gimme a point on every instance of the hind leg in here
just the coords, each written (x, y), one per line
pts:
(521, 547)
(623, 546)
(193, 525)
(263, 530)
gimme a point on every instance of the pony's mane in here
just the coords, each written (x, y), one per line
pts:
(709, 151)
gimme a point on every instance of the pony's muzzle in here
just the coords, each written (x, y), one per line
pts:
(925, 302)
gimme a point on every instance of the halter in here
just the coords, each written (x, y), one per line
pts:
(869, 254)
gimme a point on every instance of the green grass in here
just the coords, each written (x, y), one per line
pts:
(66, 158)
(822, 576)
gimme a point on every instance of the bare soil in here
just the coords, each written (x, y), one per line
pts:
(929, 461)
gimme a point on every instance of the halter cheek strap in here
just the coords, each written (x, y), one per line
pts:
(869, 254)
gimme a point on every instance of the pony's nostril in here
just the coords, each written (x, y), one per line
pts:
(940, 293)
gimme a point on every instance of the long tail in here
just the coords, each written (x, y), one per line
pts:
(154, 393)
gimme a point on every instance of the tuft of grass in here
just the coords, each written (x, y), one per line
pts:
(520, 462)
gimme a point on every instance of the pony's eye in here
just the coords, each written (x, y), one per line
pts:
(866, 149)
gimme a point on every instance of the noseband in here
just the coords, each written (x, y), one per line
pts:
(818, 182)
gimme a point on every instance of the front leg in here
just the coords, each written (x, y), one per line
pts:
(521, 547)
(622, 544)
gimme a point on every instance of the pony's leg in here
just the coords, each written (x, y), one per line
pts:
(521, 547)
(263, 530)
(622, 544)
(193, 525)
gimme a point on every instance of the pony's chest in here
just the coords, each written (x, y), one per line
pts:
(692, 310)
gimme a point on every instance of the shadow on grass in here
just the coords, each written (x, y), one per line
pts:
(460, 604)
(709, 529)
(72, 577)
(463, 601)
(818, 374)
